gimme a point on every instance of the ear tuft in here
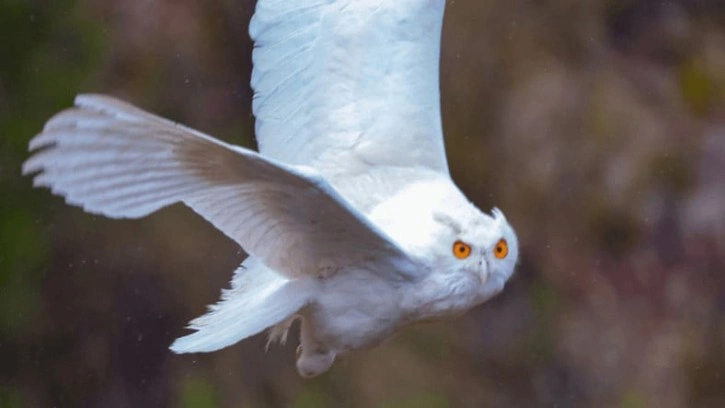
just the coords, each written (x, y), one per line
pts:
(498, 215)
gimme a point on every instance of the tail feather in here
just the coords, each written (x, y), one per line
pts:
(259, 298)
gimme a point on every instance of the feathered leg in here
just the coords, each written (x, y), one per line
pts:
(313, 358)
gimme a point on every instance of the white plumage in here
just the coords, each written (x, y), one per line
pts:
(345, 85)
(258, 298)
(349, 215)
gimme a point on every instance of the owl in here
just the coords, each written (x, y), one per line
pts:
(349, 215)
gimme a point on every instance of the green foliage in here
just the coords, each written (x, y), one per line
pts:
(197, 393)
(539, 345)
(422, 400)
(633, 399)
(52, 50)
(311, 398)
(697, 87)
(11, 398)
(48, 52)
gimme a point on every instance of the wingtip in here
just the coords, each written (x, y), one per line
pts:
(193, 343)
(42, 139)
(177, 347)
(103, 104)
(186, 344)
(31, 166)
(27, 169)
(86, 99)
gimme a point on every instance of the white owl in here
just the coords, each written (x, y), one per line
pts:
(348, 212)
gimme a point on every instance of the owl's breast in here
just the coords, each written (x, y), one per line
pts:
(355, 310)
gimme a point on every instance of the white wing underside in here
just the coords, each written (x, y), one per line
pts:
(347, 86)
(116, 160)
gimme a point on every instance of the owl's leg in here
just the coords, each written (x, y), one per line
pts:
(278, 333)
(313, 358)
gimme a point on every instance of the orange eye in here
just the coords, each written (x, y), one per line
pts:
(461, 250)
(501, 249)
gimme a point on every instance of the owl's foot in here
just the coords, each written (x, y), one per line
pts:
(315, 362)
(278, 333)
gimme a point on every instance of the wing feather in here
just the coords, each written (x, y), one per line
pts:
(258, 299)
(113, 159)
(346, 85)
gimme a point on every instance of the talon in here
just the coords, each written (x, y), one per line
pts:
(298, 352)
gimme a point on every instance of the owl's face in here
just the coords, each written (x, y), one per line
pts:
(478, 244)
(436, 222)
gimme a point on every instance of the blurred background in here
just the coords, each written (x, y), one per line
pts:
(597, 126)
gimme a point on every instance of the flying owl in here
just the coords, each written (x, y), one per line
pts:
(352, 223)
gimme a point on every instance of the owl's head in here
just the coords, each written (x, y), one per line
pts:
(484, 246)
(434, 221)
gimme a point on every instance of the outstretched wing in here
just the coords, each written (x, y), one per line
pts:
(344, 85)
(116, 160)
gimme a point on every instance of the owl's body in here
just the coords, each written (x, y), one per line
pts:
(351, 220)
(359, 307)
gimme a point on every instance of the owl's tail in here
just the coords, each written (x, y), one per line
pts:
(259, 298)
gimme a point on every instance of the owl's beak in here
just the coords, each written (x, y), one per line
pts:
(483, 270)
(492, 286)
